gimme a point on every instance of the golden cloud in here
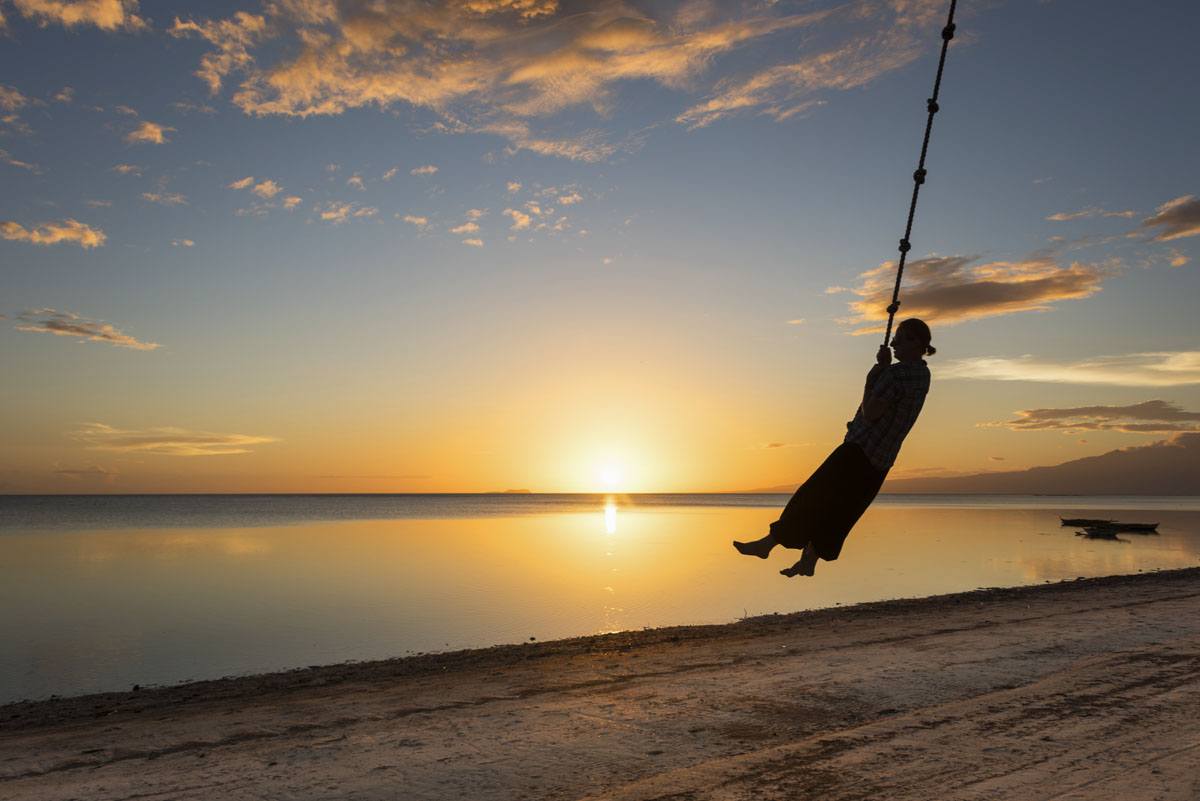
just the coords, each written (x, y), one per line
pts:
(54, 232)
(413, 219)
(8, 159)
(127, 169)
(495, 60)
(1160, 369)
(149, 133)
(165, 198)
(232, 38)
(882, 38)
(1149, 417)
(267, 189)
(108, 15)
(337, 212)
(1175, 219)
(242, 183)
(475, 243)
(520, 219)
(292, 202)
(11, 99)
(465, 228)
(427, 169)
(950, 289)
(69, 324)
(1091, 211)
(166, 441)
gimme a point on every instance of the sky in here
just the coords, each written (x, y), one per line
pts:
(479, 245)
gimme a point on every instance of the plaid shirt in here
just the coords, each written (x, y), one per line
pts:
(905, 385)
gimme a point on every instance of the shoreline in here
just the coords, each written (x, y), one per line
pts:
(232, 688)
(1077, 690)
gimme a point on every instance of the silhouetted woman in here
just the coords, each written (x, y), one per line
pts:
(825, 508)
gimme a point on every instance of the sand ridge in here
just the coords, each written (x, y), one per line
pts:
(1085, 689)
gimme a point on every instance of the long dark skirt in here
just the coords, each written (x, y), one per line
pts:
(828, 505)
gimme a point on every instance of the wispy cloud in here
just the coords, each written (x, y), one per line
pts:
(69, 324)
(880, 39)
(90, 472)
(413, 219)
(390, 174)
(1160, 369)
(52, 233)
(127, 169)
(488, 65)
(267, 189)
(165, 198)
(149, 133)
(465, 228)
(1149, 417)
(475, 243)
(292, 201)
(1093, 211)
(514, 187)
(241, 183)
(8, 159)
(11, 99)
(520, 220)
(64, 95)
(954, 289)
(356, 182)
(108, 15)
(232, 39)
(166, 441)
(183, 243)
(338, 212)
(427, 169)
(1175, 219)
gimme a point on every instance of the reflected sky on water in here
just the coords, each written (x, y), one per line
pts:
(89, 610)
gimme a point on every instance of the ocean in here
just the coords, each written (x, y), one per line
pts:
(99, 593)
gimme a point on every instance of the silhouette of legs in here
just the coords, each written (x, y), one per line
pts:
(760, 547)
(807, 566)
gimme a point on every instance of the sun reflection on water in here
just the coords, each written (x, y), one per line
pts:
(610, 516)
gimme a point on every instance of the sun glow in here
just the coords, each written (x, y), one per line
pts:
(611, 476)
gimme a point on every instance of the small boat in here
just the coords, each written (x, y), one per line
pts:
(1084, 522)
(1135, 527)
(1099, 533)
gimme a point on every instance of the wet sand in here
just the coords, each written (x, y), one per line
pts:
(1079, 690)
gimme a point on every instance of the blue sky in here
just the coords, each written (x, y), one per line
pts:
(490, 243)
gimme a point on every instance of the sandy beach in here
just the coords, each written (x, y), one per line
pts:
(1078, 690)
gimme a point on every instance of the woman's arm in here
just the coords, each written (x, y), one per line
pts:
(874, 404)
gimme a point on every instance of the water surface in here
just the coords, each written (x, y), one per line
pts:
(102, 593)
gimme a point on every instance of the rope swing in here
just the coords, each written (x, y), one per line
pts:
(931, 106)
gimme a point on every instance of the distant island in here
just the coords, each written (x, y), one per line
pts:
(518, 492)
(1169, 467)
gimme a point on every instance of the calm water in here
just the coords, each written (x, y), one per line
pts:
(99, 593)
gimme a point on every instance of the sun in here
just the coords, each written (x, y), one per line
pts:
(611, 475)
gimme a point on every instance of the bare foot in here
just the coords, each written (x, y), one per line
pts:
(807, 566)
(760, 548)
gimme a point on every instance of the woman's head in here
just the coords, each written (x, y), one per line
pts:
(911, 340)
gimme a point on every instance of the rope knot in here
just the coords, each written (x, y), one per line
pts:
(931, 105)
(895, 307)
(948, 32)
(905, 246)
(919, 176)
